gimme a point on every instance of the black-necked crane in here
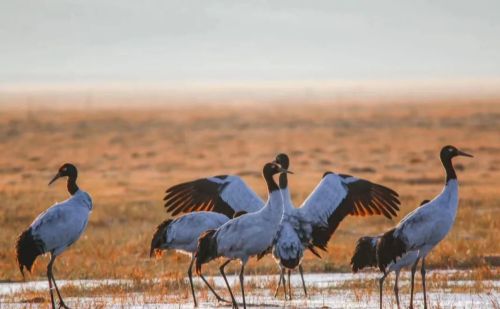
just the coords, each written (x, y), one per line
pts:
(55, 229)
(313, 224)
(244, 236)
(182, 233)
(288, 249)
(423, 228)
(365, 255)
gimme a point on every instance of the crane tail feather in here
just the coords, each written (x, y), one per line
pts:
(27, 250)
(389, 248)
(365, 254)
(207, 249)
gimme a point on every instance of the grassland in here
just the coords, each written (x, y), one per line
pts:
(127, 158)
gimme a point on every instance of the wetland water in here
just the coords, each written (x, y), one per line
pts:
(326, 290)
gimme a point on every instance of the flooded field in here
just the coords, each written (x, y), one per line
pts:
(326, 290)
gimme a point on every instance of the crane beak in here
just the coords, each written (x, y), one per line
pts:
(461, 153)
(57, 176)
(282, 170)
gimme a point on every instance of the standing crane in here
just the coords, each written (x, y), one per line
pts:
(423, 228)
(182, 233)
(245, 236)
(365, 255)
(55, 229)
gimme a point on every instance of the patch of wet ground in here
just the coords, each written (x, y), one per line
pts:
(326, 290)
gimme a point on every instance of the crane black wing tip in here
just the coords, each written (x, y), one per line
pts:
(383, 190)
(392, 192)
(387, 200)
(392, 211)
(313, 250)
(171, 207)
(321, 246)
(176, 212)
(172, 189)
(179, 189)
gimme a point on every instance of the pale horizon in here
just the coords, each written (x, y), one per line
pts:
(158, 95)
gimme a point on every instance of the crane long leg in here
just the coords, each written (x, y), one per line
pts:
(242, 275)
(284, 282)
(422, 271)
(289, 286)
(190, 276)
(279, 282)
(52, 279)
(49, 276)
(413, 269)
(396, 289)
(381, 285)
(221, 268)
(212, 290)
(61, 302)
(302, 277)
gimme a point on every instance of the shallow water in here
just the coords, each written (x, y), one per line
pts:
(326, 290)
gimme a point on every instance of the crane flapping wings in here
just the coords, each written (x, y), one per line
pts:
(337, 196)
(224, 194)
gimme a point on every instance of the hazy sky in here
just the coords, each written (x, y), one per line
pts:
(130, 40)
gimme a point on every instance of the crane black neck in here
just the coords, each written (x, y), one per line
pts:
(71, 185)
(448, 166)
(271, 184)
(283, 181)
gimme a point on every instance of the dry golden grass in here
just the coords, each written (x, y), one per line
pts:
(128, 157)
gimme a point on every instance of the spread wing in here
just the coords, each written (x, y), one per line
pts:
(337, 196)
(226, 194)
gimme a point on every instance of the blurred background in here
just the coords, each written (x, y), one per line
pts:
(242, 51)
(141, 95)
